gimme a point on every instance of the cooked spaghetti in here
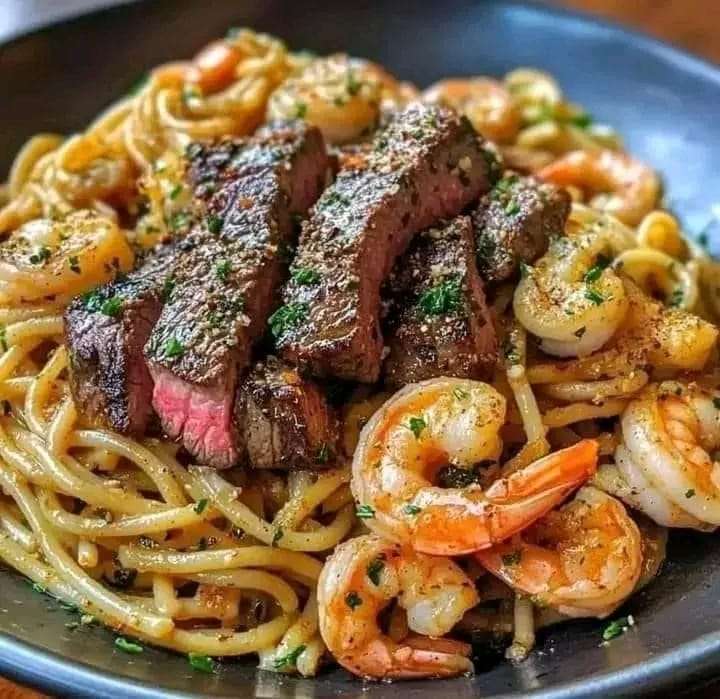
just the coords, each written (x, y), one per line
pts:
(608, 338)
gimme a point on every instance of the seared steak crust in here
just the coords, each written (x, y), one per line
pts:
(439, 323)
(426, 164)
(105, 333)
(227, 280)
(284, 421)
(514, 222)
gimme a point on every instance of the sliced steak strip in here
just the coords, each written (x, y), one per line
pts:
(227, 284)
(514, 222)
(427, 164)
(105, 332)
(284, 421)
(439, 323)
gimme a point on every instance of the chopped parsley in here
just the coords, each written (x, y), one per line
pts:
(333, 197)
(512, 208)
(112, 306)
(504, 185)
(593, 274)
(128, 646)
(222, 270)
(352, 599)
(352, 85)
(287, 317)
(511, 559)
(300, 110)
(525, 269)
(214, 224)
(201, 663)
(510, 352)
(289, 658)
(168, 287)
(412, 509)
(139, 84)
(595, 296)
(582, 120)
(375, 567)
(442, 298)
(690, 493)
(460, 393)
(305, 276)
(178, 220)
(416, 426)
(200, 506)
(323, 455)
(279, 533)
(173, 348)
(456, 477)
(175, 191)
(617, 628)
(40, 256)
(74, 263)
(676, 298)
(365, 512)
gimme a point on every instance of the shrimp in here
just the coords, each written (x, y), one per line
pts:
(214, 67)
(668, 434)
(437, 431)
(572, 298)
(338, 94)
(617, 183)
(485, 102)
(583, 559)
(361, 578)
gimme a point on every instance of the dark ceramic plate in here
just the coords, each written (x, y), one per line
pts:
(659, 99)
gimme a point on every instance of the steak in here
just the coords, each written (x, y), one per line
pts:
(439, 323)
(227, 281)
(283, 420)
(426, 164)
(105, 332)
(514, 222)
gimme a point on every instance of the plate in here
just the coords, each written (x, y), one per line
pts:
(659, 98)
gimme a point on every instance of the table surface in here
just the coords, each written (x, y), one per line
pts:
(691, 24)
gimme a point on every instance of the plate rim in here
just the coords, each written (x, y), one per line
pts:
(39, 668)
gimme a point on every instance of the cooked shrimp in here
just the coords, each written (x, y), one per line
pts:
(583, 559)
(616, 182)
(430, 427)
(572, 298)
(361, 578)
(214, 67)
(485, 102)
(669, 432)
(338, 94)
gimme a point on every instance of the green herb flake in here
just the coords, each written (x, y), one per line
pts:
(352, 84)
(582, 120)
(456, 477)
(617, 628)
(200, 506)
(179, 220)
(442, 298)
(412, 510)
(214, 224)
(511, 559)
(416, 425)
(323, 455)
(289, 659)
(111, 307)
(374, 568)
(168, 287)
(595, 296)
(201, 663)
(173, 348)
(300, 110)
(512, 208)
(593, 274)
(525, 269)
(128, 646)
(222, 270)
(305, 276)
(176, 191)
(279, 533)
(139, 84)
(460, 393)
(364, 511)
(40, 256)
(352, 599)
(690, 493)
(676, 298)
(287, 317)
(504, 185)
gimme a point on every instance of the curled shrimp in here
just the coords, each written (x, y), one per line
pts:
(572, 298)
(485, 102)
(668, 435)
(583, 559)
(440, 424)
(214, 67)
(616, 182)
(361, 578)
(338, 94)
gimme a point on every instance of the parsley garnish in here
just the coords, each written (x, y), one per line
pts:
(616, 628)
(374, 569)
(175, 191)
(128, 646)
(200, 506)
(300, 110)
(365, 512)
(287, 317)
(323, 455)
(173, 348)
(168, 287)
(690, 493)
(441, 298)
(214, 224)
(352, 599)
(222, 269)
(593, 274)
(511, 559)
(353, 85)
(139, 84)
(289, 658)
(595, 296)
(676, 298)
(305, 276)
(504, 185)
(416, 426)
(41, 256)
(456, 477)
(512, 208)
(279, 533)
(412, 509)
(460, 393)
(112, 306)
(178, 220)
(201, 663)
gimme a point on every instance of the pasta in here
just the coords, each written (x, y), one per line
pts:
(218, 564)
